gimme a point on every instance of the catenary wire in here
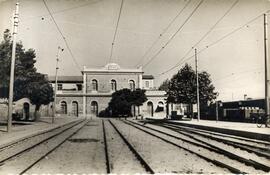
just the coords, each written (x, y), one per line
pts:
(116, 29)
(212, 44)
(209, 31)
(257, 70)
(172, 37)
(162, 33)
(59, 30)
(57, 12)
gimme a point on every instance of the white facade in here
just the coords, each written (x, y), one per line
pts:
(98, 84)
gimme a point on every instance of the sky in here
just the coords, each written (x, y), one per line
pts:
(235, 62)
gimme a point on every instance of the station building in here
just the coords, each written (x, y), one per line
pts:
(90, 93)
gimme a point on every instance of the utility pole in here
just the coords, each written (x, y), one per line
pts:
(197, 84)
(55, 83)
(11, 81)
(217, 103)
(267, 111)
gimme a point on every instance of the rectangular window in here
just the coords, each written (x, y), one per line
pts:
(79, 86)
(147, 84)
(59, 86)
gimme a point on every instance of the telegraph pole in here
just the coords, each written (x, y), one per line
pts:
(197, 84)
(267, 111)
(217, 103)
(11, 81)
(55, 83)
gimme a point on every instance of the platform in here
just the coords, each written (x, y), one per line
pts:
(21, 130)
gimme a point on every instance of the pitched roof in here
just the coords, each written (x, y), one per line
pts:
(66, 79)
(148, 77)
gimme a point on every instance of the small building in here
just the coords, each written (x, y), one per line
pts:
(23, 109)
(90, 93)
(240, 110)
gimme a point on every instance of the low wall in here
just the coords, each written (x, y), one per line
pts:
(3, 111)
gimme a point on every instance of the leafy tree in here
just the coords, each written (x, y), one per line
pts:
(27, 80)
(40, 93)
(139, 98)
(164, 85)
(120, 104)
(122, 100)
(182, 87)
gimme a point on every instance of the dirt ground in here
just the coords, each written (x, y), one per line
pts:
(84, 153)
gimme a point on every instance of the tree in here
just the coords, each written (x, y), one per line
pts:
(182, 87)
(124, 99)
(27, 80)
(120, 104)
(164, 85)
(139, 98)
(40, 93)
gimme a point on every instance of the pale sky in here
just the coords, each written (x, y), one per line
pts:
(236, 63)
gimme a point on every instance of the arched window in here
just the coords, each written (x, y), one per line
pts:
(75, 108)
(94, 85)
(132, 85)
(63, 107)
(113, 85)
(94, 108)
(150, 108)
(160, 107)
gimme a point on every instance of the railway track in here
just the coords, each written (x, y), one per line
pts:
(171, 139)
(9, 145)
(140, 159)
(253, 141)
(62, 134)
(251, 148)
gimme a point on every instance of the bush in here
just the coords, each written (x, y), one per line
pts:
(105, 113)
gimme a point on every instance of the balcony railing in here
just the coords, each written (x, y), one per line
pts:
(69, 91)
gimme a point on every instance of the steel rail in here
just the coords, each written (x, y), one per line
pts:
(213, 148)
(49, 152)
(106, 149)
(246, 147)
(8, 145)
(222, 135)
(37, 144)
(133, 150)
(216, 162)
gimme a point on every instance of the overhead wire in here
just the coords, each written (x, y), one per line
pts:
(62, 35)
(237, 73)
(57, 12)
(209, 31)
(213, 43)
(163, 32)
(116, 29)
(172, 37)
